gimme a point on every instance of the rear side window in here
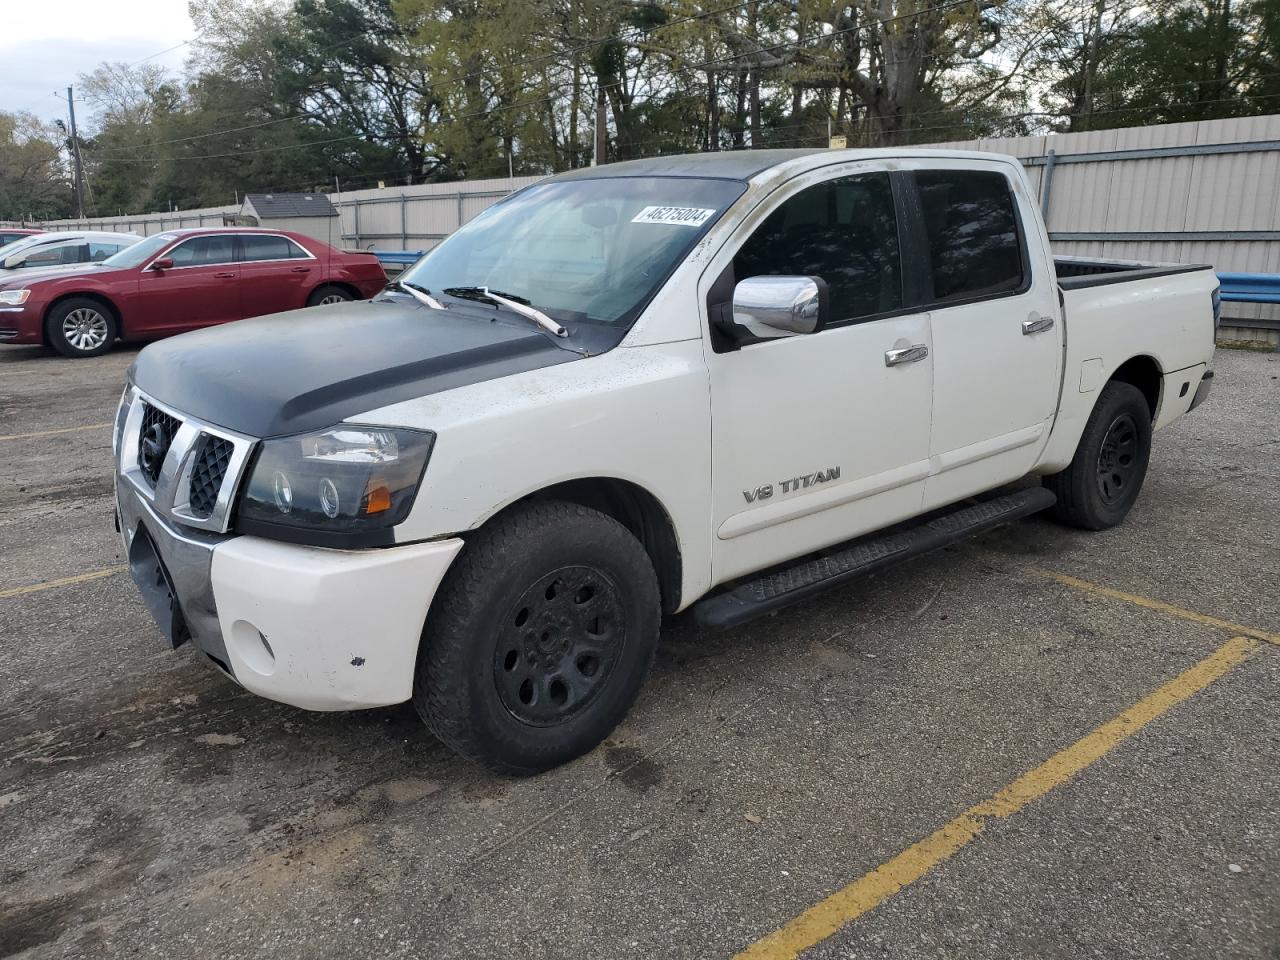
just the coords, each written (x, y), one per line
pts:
(100, 251)
(259, 247)
(204, 251)
(971, 232)
(844, 231)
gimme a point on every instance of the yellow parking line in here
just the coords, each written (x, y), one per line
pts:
(50, 433)
(1085, 586)
(64, 582)
(844, 906)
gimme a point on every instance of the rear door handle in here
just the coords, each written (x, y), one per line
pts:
(917, 351)
(1035, 324)
(299, 269)
(225, 276)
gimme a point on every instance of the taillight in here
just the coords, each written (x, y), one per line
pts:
(1216, 298)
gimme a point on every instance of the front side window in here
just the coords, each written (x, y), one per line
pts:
(844, 231)
(971, 232)
(204, 251)
(262, 247)
(56, 255)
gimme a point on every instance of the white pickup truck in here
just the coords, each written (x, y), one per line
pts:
(720, 381)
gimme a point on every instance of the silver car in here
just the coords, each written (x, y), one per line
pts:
(62, 251)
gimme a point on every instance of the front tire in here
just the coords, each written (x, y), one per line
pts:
(539, 639)
(1105, 477)
(80, 327)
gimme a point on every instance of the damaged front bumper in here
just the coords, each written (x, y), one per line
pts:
(312, 627)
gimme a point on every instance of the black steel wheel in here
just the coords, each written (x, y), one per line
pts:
(1118, 458)
(562, 639)
(1105, 477)
(539, 638)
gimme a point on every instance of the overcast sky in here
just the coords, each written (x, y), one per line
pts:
(46, 44)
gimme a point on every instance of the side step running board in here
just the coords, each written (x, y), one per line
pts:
(781, 587)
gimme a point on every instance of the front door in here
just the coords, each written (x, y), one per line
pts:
(819, 438)
(992, 294)
(200, 289)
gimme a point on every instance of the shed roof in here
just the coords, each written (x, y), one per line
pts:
(272, 205)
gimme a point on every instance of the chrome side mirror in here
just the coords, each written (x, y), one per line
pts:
(772, 306)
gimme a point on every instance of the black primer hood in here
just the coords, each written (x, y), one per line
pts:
(309, 369)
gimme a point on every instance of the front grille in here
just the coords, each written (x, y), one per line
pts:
(213, 454)
(8, 333)
(155, 436)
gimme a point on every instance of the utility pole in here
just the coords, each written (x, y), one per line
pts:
(598, 156)
(75, 155)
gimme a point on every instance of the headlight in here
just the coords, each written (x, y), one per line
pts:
(347, 485)
(14, 298)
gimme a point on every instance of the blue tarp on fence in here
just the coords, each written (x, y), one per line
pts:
(1250, 287)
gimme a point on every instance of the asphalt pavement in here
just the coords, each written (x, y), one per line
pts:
(1040, 743)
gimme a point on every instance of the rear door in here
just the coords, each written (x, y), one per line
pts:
(993, 299)
(200, 289)
(819, 438)
(276, 274)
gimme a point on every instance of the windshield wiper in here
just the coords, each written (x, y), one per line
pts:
(421, 294)
(511, 303)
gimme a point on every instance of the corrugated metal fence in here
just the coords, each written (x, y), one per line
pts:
(394, 218)
(1205, 192)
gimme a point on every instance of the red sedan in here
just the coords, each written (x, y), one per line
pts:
(10, 234)
(178, 281)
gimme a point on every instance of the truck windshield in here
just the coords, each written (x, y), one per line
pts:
(592, 249)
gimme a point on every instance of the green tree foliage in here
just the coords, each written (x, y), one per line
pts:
(1126, 63)
(33, 181)
(295, 94)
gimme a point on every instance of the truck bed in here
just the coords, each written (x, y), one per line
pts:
(1077, 272)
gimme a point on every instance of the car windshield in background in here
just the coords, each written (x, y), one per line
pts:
(580, 249)
(140, 252)
(17, 246)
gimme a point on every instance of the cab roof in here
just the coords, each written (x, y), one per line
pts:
(749, 164)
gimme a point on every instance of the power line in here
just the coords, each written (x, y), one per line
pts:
(176, 46)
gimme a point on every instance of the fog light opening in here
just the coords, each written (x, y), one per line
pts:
(252, 648)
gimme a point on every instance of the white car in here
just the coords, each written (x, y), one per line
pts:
(62, 251)
(720, 382)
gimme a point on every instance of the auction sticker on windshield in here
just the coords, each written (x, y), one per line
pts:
(685, 216)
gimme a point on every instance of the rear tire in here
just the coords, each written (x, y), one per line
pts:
(80, 327)
(328, 294)
(539, 639)
(1105, 477)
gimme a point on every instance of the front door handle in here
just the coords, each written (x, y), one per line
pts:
(917, 351)
(225, 276)
(1035, 324)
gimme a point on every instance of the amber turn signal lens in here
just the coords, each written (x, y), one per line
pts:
(377, 496)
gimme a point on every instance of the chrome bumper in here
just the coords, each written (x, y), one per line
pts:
(160, 503)
(187, 556)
